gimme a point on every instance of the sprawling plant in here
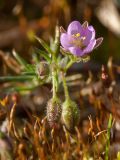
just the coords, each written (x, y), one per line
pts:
(76, 44)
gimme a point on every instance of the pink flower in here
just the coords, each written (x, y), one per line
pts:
(79, 39)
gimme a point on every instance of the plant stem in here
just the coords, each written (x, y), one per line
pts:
(54, 83)
(67, 97)
(69, 65)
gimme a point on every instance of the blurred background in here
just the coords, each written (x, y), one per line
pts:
(21, 19)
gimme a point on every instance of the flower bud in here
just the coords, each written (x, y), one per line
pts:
(42, 69)
(54, 112)
(70, 114)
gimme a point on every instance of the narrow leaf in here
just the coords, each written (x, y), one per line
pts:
(30, 68)
(18, 89)
(56, 47)
(43, 54)
(20, 60)
(16, 78)
(46, 47)
(29, 73)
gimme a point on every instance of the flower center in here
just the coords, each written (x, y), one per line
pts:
(78, 41)
(76, 35)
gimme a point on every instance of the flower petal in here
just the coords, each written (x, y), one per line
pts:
(74, 28)
(76, 51)
(66, 40)
(90, 47)
(93, 31)
(87, 34)
(98, 42)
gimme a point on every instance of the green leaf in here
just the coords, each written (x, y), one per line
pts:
(21, 78)
(46, 47)
(51, 43)
(20, 60)
(30, 68)
(35, 57)
(29, 73)
(56, 43)
(43, 54)
(18, 89)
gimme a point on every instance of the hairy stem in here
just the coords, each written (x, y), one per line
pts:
(54, 80)
(54, 83)
(67, 97)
